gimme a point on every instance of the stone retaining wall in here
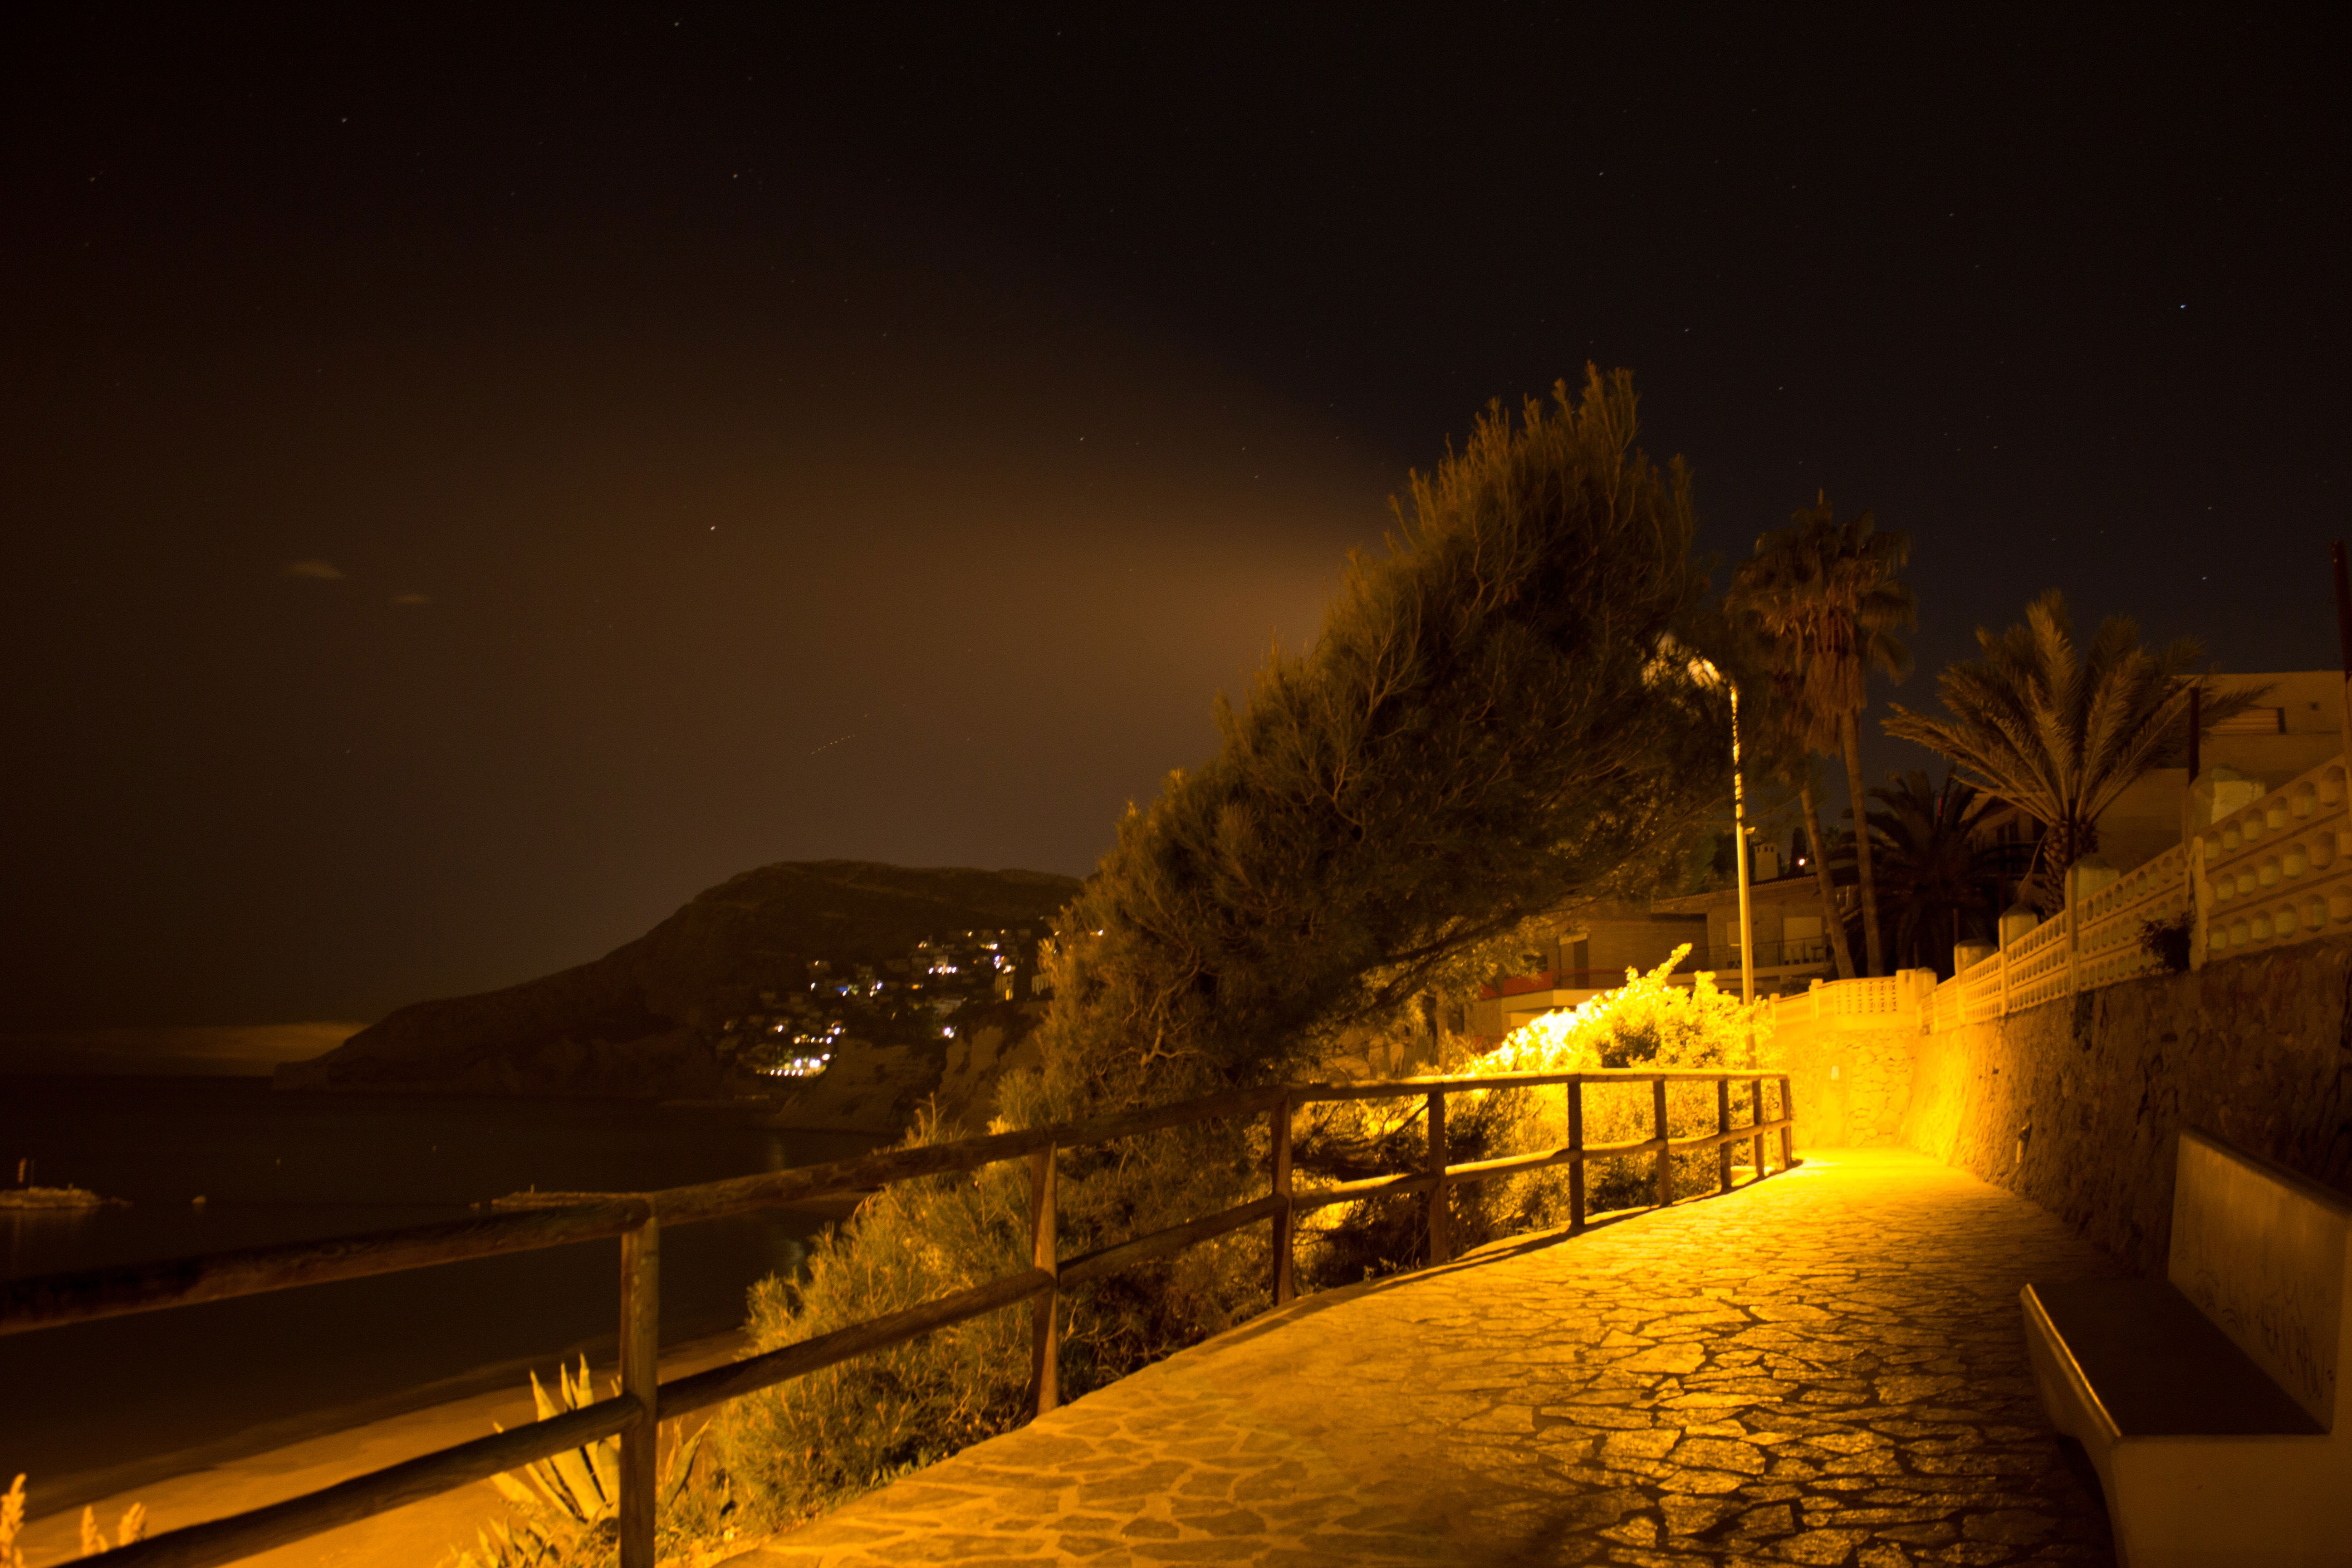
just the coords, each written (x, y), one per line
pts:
(2077, 1105)
(1851, 1086)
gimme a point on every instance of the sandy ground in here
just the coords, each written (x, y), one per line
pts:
(419, 1536)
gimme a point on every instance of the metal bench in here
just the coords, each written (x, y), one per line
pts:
(2207, 1400)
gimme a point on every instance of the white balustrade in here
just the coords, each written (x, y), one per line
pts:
(2274, 869)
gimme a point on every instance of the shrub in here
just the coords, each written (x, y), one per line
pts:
(568, 1506)
(794, 1449)
(1646, 1022)
(131, 1531)
(2167, 941)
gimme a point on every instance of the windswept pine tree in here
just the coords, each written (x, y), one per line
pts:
(1492, 722)
(1503, 713)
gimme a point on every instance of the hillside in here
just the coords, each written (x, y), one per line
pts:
(804, 982)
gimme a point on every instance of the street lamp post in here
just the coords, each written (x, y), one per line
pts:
(1740, 856)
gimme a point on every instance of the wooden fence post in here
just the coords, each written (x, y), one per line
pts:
(1788, 1133)
(1756, 1118)
(1666, 1155)
(1045, 1313)
(1438, 1250)
(1576, 1141)
(1278, 1137)
(1723, 1125)
(641, 1376)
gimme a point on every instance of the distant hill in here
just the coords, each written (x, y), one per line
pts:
(210, 1051)
(664, 1017)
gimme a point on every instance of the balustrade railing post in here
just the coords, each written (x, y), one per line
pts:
(1576, 1142)
(1788, 1133)
(1756, 1118)
(1723, 1128)
(1438, 1249)
(640, 1376)
(1045, 1312)
(1278, 1139)
(1665, 1154)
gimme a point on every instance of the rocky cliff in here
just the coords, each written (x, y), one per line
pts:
(664, 1015)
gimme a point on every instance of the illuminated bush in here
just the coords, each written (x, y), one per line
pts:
(1647, 1022)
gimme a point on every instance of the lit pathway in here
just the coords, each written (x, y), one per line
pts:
(1827, 1368)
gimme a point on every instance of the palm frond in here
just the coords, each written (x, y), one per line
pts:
(2060, 730)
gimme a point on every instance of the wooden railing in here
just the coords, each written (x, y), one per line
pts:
(638, 1220)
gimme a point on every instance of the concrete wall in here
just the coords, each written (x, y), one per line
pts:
(2077, 1105)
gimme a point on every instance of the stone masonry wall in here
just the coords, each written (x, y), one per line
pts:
(1851, 1086)
(2077, 1105)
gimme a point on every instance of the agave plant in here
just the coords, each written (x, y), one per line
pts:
(12, 1520)
(133, 1529)
(574, 1497)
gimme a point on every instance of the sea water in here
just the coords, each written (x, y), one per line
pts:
(85, 1406)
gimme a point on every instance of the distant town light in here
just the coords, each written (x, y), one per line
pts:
(800, 1067)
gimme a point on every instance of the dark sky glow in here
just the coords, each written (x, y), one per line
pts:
(745, 437)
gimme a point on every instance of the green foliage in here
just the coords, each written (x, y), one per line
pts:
(1500, 714)
(1487, 725)
(1822, 598)
(2061, 731)
(2167, 941)
(568, 1506)
(1934, 869)
(1647, 1022)
(798, 1447)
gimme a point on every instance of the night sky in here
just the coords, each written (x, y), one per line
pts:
(474, 478)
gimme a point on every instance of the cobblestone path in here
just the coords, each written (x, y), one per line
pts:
(1827, 1368)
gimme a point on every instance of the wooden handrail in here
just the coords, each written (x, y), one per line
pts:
(735, 1379)
(50, 1300)
(775, 1189)
(1514, 1164)
(1399, 1087)
(1162, 1242)
(639, 1218)
(362, 1497)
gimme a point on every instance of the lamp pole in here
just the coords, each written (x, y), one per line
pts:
(1740, 857)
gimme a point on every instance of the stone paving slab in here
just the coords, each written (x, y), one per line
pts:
(1826, 1368)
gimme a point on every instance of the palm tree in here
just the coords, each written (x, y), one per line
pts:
(1934, 871)
(1822, 598)
(2060, 733)
(1788, 725)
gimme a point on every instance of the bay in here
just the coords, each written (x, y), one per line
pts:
(88, 1409)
